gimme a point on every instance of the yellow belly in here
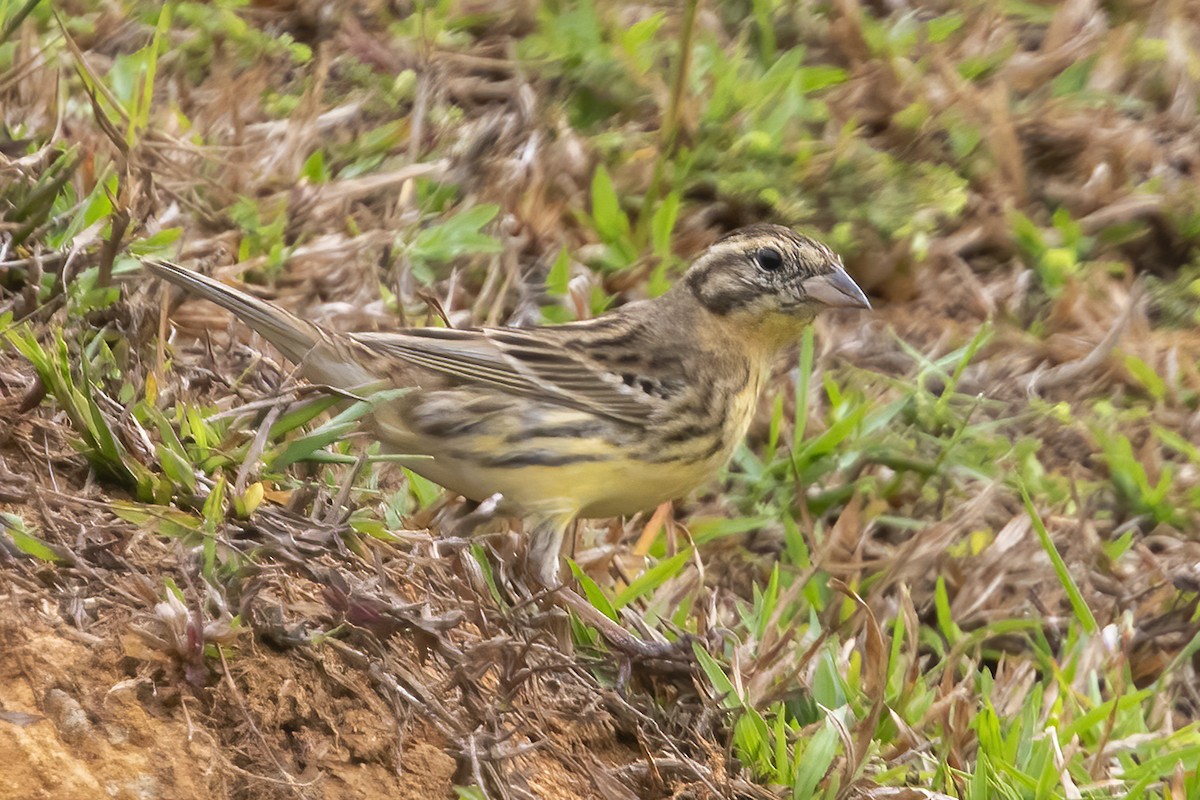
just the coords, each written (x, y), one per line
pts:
(518, 449)
(607, 488)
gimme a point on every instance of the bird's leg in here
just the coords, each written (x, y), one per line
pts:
(542, 561)
(545, 546)
(483, 513)
(457, 526)
(617, 636)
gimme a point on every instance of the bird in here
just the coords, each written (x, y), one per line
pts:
(603, 417)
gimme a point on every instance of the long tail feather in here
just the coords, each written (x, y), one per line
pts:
(301, 341)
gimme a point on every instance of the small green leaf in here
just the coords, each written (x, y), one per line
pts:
(489, 577)
(314, 170)
(940, 28)
(816, 77)
(1028, 235)
(1082, 612)
(611, 222)
(815, 762)
(652, 578)
(558, 280)
(177, 468)
(456, 236)
(1144, 374)
(25, 541)
(1074, 79)
(306, 447)
(593, 593)
(662, 225)
(716, 676)
(299, 415)
(214, 506)
(424, 490)
(945, 619)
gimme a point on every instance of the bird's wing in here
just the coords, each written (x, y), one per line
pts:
(528, 362)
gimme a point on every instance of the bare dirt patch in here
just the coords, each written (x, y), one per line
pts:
(85, 717)
(76, 725)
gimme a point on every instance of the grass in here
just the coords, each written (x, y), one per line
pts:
(956, 554)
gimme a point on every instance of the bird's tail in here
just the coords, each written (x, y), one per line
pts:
(315, 350)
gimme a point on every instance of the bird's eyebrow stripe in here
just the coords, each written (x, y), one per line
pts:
(789, 242)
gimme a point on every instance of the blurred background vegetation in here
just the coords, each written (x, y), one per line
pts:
(959, 555)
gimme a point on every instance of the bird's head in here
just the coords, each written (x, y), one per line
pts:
(770, 278)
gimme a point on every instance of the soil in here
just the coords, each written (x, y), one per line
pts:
(79, 723)
(110, 688)
(81, 719)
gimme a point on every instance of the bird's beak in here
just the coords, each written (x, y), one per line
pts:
(836, 289)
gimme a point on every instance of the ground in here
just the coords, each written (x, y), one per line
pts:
(958, 555)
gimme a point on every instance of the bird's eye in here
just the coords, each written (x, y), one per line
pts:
(768, 259)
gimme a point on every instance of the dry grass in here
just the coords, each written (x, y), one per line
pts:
(862, 607)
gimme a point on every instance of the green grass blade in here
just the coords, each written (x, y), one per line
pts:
(1082, 612)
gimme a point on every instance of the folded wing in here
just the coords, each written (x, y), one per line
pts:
(531, 363)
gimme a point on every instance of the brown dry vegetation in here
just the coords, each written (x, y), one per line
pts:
(325, 658)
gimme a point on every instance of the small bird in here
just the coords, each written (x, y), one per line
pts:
(598, 418)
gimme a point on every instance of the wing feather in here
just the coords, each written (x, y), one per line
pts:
(526, 363)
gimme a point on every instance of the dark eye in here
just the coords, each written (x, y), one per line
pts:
(768, 259)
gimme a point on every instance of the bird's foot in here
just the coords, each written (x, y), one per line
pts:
(618, 636)
(477, 517)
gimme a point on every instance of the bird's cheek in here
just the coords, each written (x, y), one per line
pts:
(804, 313)
(801, 309)
(783, 329)
(796, 304)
